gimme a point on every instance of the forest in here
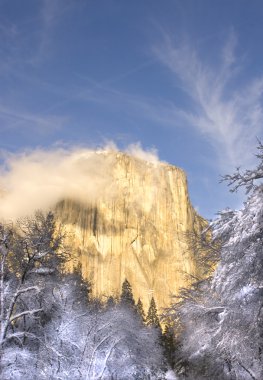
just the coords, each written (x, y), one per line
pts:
(52, 328)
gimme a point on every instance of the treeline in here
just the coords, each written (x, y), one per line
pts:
(219, 320)
(51, 327)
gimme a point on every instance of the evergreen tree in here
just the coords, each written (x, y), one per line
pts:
(168, 340)
(152, 316)
(82, 286)
(140, 310)
(126, 294)
(111, 302)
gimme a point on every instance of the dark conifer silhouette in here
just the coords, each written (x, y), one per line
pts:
(140, 311)
(126, 294)
(168, 340)
(111, 302)
(152, 319)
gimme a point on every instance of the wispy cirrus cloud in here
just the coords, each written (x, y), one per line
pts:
(13, 119)
(50, 13)
(19, 46)
(229, 114)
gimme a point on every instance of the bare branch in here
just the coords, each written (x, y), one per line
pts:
(248, 177)
(24, 313)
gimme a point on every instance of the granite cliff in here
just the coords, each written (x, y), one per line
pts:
(135, 230)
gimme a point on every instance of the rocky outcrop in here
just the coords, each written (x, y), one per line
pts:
(135, 231)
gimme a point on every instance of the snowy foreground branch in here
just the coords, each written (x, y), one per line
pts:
(29, 251)
(221, 318)
(50, 329)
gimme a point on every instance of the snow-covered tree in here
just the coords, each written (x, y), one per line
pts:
(51, 329)
(18, 363)
(249, 178)
(96, 342)
(30, 251)
(222, 317)
(132, 350)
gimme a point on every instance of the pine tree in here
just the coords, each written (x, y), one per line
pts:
(126, 294)
(168, 341)
(111, 302)
(140, 310)
(152, 316)
(81, 285)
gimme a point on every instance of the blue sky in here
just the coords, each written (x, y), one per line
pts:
(182, 77)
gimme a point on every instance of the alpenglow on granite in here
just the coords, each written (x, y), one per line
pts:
(135, 230)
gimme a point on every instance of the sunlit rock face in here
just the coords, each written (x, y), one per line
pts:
(136, 231)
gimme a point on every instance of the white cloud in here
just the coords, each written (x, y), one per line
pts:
(40, 178)
(229, 115)
(137, 151)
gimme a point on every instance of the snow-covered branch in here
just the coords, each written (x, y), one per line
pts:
(24, 313)
(248, 177)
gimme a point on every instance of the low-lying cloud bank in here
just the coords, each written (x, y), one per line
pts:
(39, 178)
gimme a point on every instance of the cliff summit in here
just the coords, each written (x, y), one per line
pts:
(135, 230)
